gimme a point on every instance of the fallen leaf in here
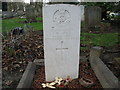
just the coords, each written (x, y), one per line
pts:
(5, 68)
(8, 83)
(21, 70)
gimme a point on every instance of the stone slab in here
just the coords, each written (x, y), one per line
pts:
(61, 24)
(27, 77)
(39, 62)
(105, 76)
(92, 16)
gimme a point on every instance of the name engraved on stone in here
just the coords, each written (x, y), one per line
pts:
(61, 48)
(61, 34)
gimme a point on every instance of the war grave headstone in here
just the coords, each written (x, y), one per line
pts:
(61, 24)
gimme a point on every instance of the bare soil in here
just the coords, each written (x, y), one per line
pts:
(15, 57)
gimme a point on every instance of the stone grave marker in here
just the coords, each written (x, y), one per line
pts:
(30, 13)
(61, 24)
(92, 16)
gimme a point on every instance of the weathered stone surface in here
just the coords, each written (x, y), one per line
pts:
(39, 62)
(27, 77)
(61, 40)
(92, 16)
(30, 13)
(105, 76)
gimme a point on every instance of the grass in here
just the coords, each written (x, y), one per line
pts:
(8, 24)
(107, 39)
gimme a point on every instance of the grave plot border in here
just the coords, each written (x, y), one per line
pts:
(105, 76)
(28, 75)
(103, 73)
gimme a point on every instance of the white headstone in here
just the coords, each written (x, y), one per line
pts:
(61, 24)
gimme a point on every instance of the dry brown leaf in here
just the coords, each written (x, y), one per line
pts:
(8, 83)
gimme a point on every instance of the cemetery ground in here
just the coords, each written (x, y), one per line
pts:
(16, 54)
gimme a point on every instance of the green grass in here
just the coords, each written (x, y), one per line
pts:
(107, 39)
(37, 26)
(8, 24)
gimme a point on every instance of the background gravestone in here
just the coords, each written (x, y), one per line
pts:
(92, 16)
(61, 24)
(30, 13)
(38, 8)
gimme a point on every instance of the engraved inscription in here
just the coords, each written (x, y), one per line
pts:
(61, 48)
(61, 16)
(61, 34)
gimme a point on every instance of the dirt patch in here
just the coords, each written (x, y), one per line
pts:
(105, 27)
(15, 57)
(85, 71)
